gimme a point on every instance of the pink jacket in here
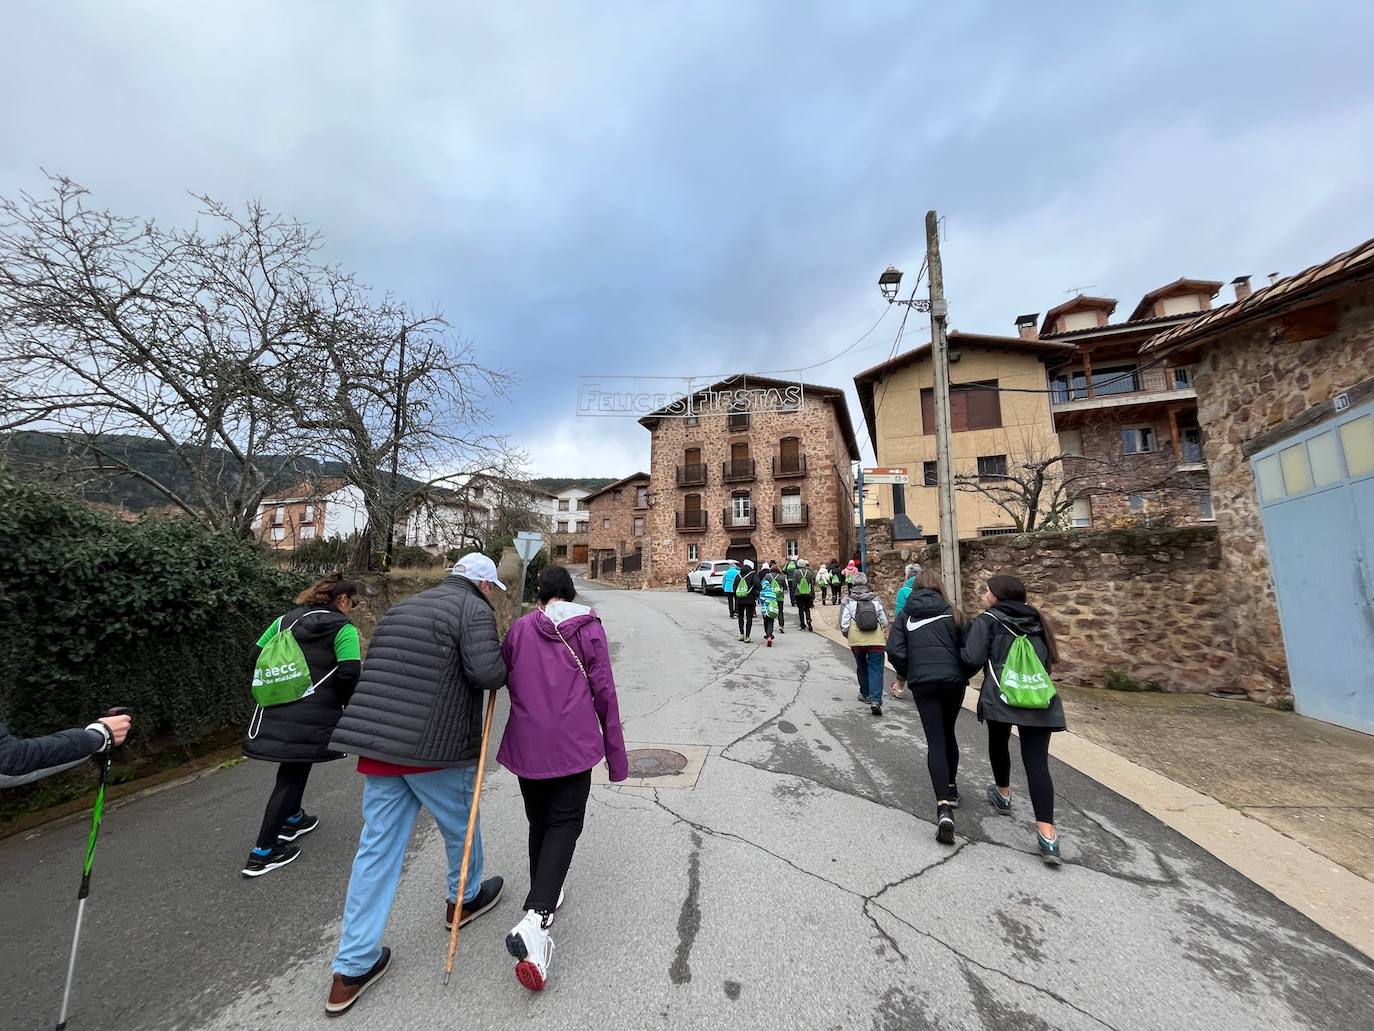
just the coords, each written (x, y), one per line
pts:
(561, 722)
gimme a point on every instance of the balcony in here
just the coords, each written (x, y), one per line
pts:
(789, 466)
(692, 520)
(1112, 388)
(692, 475)
(1190, 457)
(791, 515)
(737, 471)
(734, 521)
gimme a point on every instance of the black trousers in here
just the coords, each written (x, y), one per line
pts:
(730, 601)
(1035, 757)
(745, 614)
(284, 801)
(556, 809)
(939, 713)
(804, 611)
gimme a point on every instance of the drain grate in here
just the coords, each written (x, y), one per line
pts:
(656, 762)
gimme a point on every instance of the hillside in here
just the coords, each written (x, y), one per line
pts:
(553, 484)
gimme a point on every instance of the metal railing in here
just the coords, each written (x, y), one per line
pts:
(693, 475)
(1123, 383)
(792, 465)
(632, 562)
(737, 470)
(731, 521)
(690, 519)
(791, 515)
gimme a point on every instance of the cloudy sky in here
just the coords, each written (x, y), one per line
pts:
(588, 188)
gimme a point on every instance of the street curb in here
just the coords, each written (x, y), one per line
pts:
(1325, 892)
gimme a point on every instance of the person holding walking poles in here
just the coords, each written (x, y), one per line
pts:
(416, 724)
(564, 719)
(25, 760)
(295, 734)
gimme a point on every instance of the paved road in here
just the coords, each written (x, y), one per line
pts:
(797, 885)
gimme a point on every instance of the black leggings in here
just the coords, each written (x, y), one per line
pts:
(745, 614)
(284, 801)
(556, 809)
(804, 613)
(730, 602)
(1035, 756)
(938, 716)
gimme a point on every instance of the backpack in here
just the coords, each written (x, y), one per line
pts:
(866, 615)
(281, 674)
(743, 586)
(804, 585)
(1025, 683)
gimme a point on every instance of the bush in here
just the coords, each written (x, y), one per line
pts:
(159, 615)
(1115, 680)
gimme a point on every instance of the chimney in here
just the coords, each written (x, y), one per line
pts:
(1025, 326)
(1273, 278)
(1242, 285)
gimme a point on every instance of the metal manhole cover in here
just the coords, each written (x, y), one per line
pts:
(656, 762)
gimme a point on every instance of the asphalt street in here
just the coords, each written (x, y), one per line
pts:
(796, 884)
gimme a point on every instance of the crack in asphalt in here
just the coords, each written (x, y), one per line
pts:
(801, 682)
(719, 676)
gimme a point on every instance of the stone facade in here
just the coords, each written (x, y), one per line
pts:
(1178, 497)
(1248, 382)
(619, 518)
(1149, 604)
(825, 489)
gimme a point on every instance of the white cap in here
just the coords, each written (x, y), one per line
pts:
(748, 564)
(478, 568)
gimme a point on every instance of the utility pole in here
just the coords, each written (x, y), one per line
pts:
(944, 457)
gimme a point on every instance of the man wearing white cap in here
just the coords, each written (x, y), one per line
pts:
(415, 723)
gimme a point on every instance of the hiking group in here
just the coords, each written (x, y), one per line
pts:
(412, 713)
(767, 591)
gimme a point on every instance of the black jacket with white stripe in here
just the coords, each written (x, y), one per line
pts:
(924, 645)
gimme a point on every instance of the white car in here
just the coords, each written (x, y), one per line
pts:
(707, 576)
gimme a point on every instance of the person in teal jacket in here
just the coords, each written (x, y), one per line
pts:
(912, 572)
(769, 598)
(727, 586)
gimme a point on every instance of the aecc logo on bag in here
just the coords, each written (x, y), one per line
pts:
(275, 674)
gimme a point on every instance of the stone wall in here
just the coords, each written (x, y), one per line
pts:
(1248, 382)
(620, 513)
(1146, 603)
(1178, 496)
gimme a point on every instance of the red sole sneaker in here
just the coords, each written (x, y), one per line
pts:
(527, 973)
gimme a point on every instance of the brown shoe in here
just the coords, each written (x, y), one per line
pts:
(344, 992)
(487, 896)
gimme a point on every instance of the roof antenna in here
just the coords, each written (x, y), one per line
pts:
(1077, 290)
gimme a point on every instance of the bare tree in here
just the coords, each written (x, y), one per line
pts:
(110, 325)
(1043, 480)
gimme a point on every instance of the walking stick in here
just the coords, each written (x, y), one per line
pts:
(467, 844)
(96, 813)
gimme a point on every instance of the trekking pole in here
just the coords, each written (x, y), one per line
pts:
(467, 844)
(86, 871)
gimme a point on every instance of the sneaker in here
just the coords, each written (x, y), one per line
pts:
(740, 638)
(298, 826)
(487, 896)
(748, 639)
(877, 709)
(1000, 802)
(530, 944)
(768, 641)
(1049, 849)
(952, 796)
(345, 990)
(258, 864)
(944, 826)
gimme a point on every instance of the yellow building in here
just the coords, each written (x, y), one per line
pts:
(994, 426)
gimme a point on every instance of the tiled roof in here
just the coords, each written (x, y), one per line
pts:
(1119, 327)
(1181, 285)
(1073, 304)
(618, 483)
(308, 490)
(1358, 261)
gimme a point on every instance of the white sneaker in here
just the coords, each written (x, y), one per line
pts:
(530, 944)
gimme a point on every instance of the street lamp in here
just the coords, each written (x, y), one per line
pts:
(890, 282)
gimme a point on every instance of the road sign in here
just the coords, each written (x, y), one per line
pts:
(528, 544)
(885, 474)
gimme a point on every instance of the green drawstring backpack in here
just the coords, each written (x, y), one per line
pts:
(281, 674)
(1025, 683)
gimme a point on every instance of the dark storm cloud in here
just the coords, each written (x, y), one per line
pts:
(653, 189)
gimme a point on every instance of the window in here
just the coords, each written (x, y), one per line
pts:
(792, 506)
(931, 472)
(1204, 507)
(793, 551)
(605, 524)
(1138, 440)
(582, 526)
(560, 551)
(992, 467)
(641, 497)
(1269, 477)
(562, 526)
(693, 420)
(1071, 442)
(1137, 502)
(1182, 378)
(737, 423)
(309, 515)
(739, 508)
(1082, 512)
(477, 491)
(562, 504)
(639, 526)
(972, 406)
(279, 516)
(1297, 474)
(692, 553)
(279, 533)
(1192, 443)
(1119, 379)
(307, 532)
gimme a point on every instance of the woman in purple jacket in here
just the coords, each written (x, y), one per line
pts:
(564, 719)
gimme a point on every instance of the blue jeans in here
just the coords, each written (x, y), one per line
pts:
(390, 805)
(869, 666)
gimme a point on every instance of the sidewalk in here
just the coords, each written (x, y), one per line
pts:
(1285, 800)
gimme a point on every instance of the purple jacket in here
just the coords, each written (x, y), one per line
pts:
(559, 723)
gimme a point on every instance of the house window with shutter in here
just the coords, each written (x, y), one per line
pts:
(972, 406)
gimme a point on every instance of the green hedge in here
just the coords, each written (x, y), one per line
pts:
(159, 615)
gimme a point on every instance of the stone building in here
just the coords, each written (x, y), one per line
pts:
(1285, 383)
(760, 484)
(617, 524)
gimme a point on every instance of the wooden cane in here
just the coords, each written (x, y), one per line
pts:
(467, 844)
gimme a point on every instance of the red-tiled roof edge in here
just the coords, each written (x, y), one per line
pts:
(1073, 302)
(618, 483)
(308, 490)
(1357, 261)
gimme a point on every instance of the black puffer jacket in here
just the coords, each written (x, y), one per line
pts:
(924, 645)
(987, 640)
(429, 663)
(24, 760)
(299, 731)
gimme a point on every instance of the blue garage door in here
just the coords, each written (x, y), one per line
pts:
(1316, 493)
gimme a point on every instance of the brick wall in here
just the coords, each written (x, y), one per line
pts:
(1248, 382)
(619, 537)
(1147, 603)
(826, 489)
